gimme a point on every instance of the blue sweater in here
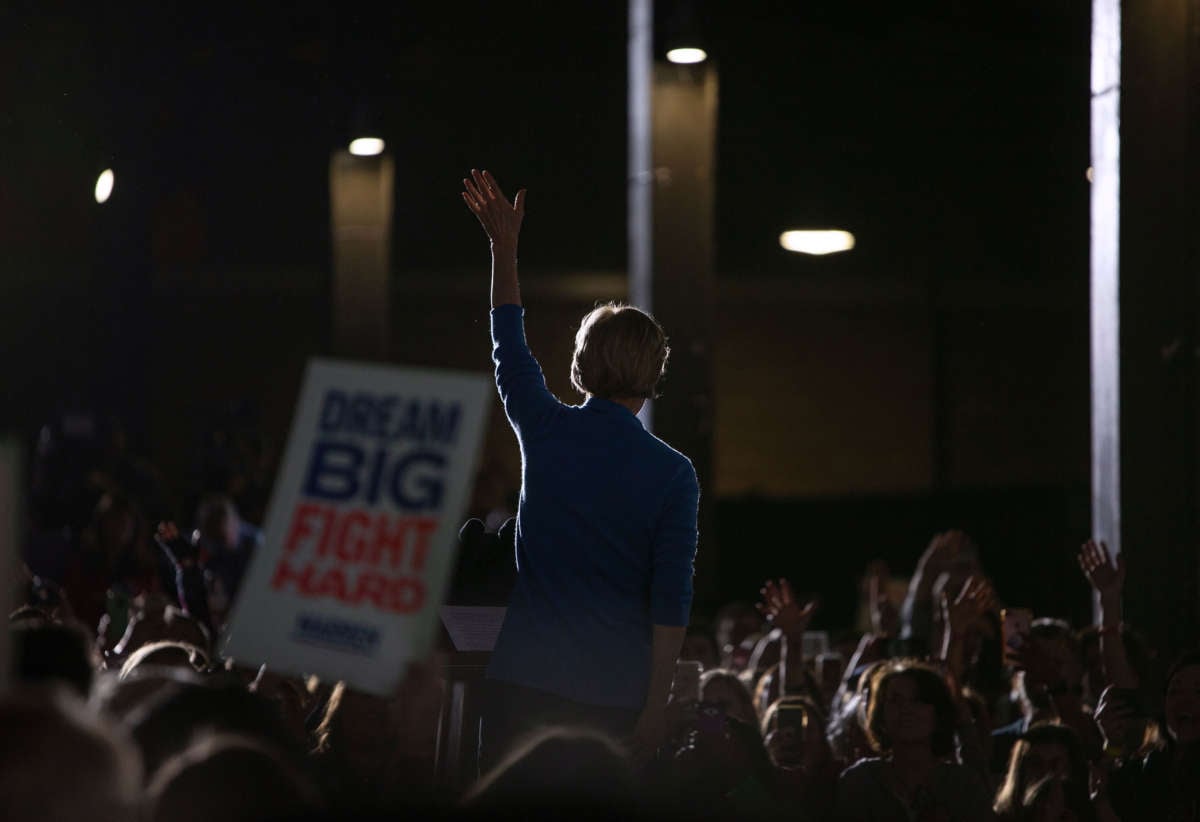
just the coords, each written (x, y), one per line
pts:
(606, 537)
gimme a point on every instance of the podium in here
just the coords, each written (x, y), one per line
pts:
(467, 635)
(456, 760)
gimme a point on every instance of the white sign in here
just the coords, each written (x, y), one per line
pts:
(362, 528)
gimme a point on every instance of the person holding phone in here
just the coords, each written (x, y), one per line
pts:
(606, 525)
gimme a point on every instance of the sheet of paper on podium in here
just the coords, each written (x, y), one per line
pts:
(473, 628)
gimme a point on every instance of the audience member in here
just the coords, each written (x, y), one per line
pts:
(699, 645)
(226, 544)
(911, 722)
(165, 654)
(722, 770)
(1046, 750)
(50, 653)
(805, 771)
(1050, 688)
(229, 778)
(164, 724)
(152, 620)
(912, 719)
(949, 560)
(559, 769)
(113, 565)
(724, 689)
(60, 761)
(733, 625)
(1164, 784)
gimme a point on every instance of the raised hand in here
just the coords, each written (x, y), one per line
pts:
(885, 618)
(179, 550)
(972, 602)
(500, 219)
(942, 552)
(1106, 578)
(167, 531)
(780, 608)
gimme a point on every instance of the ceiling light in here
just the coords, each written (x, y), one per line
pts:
(366, 146)
(685, 56)
(104, 185)
(825, 241)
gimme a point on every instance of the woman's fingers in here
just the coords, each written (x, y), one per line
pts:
(490, 183)
(473, 190)
(486, 186)
(493, 186)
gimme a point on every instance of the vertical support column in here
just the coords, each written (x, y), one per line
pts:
(1105, 276)
(1157, 295)
(640, 217)
(361, 206)
(684, 282)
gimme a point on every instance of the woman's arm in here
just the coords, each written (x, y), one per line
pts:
(528, 404)
(502, 223)
(651, 729)
(671, 593)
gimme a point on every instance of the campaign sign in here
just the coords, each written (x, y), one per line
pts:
(362, 527)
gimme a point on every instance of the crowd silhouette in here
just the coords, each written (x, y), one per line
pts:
(121, 705)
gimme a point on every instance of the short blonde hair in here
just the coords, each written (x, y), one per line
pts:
(620, 351)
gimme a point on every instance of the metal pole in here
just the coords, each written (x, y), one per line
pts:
(641, 162)
(1105, 309)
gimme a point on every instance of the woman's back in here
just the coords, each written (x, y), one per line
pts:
(606, 537)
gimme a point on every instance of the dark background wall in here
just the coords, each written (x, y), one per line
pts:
(937, 375)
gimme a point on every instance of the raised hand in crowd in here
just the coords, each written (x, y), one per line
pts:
(885, 617)
(974, 599)
(781, 608)
(170, 540)
(1107, 578)
(962, 614)
(191, 592)
(942, 553)
(949, 558)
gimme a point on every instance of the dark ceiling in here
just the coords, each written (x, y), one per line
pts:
(948, 136)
